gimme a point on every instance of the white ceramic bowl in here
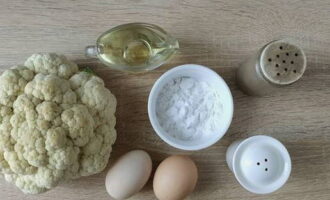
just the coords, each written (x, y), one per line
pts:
(203, 74)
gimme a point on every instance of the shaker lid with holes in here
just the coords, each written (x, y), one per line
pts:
(282, 63)
(261, 164)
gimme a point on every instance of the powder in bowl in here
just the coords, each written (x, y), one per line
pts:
(188, 109)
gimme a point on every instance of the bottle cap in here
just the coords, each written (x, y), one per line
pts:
(282, 63)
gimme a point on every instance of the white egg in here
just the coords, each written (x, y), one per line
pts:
(128, 175)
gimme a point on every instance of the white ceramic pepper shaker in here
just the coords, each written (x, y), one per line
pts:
(277, 64)
(261, 164)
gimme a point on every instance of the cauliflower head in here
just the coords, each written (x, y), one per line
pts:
(56, 123)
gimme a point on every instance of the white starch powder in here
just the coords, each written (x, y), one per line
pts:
(189, 109)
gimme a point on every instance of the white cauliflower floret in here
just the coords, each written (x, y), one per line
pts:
(79, 123)
(13, 82)
(51, 64)
(97, 149)
(48, 88)
(56, 123)
(4, 166)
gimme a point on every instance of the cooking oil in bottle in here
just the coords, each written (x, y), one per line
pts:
(134, 47)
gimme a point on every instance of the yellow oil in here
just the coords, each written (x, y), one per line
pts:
(136, 47)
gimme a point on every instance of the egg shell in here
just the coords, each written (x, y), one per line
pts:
(128, 175)
(175, 178)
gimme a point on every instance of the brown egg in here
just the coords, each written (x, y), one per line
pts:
(175, 178)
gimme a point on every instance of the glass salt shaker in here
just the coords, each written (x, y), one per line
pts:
(277, 64)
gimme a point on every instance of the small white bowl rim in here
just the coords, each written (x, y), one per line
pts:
(153, 117)
(285, 176)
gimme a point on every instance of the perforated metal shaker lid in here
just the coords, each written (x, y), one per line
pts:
(282, 63)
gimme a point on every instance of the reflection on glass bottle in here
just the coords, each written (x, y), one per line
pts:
(134, 47)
